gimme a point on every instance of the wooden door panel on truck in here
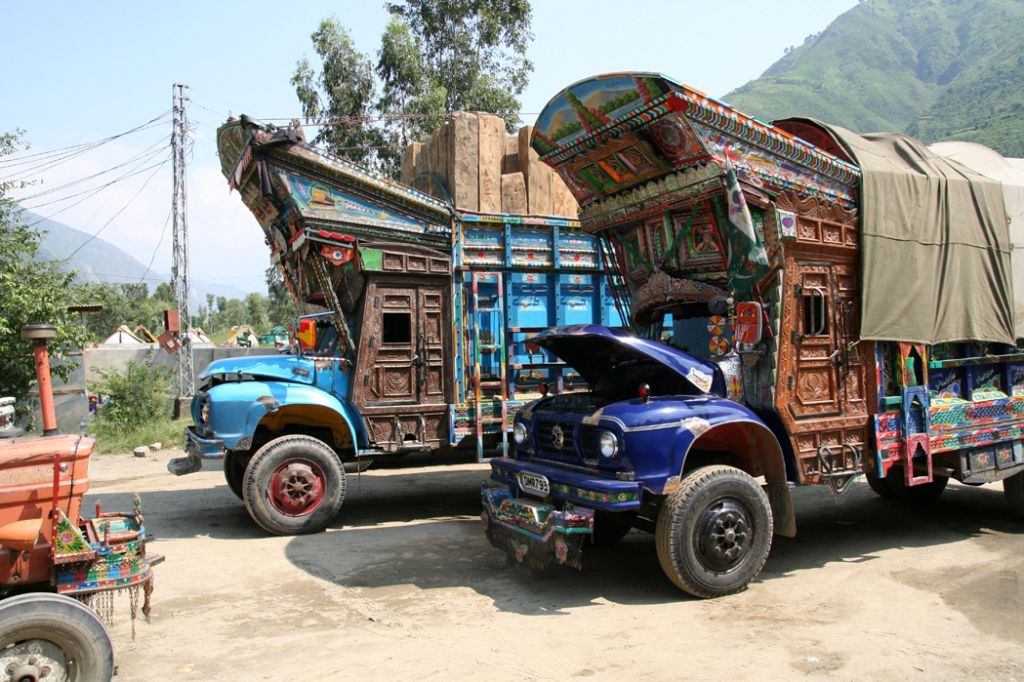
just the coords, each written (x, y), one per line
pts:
(400, 381)
(822, 383)
(813, 382)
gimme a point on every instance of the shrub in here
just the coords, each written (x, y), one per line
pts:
(138, 395)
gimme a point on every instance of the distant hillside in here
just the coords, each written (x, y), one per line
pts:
(936, 69)
(101, 261)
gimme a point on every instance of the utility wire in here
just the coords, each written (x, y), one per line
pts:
(146, 154)
(94, 190)
(119, 212)
(18, 160)
(152, 258)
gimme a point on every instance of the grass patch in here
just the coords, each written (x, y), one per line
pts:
(112, 438)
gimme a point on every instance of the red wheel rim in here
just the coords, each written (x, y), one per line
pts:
(297, 487)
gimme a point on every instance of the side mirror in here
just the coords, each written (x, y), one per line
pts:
(306, 334)
(748, 322)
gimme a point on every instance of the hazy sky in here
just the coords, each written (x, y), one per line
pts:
(79, 71)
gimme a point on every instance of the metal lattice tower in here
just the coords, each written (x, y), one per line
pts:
(179, 266)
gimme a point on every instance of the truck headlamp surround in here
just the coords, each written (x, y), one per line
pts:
(608, 444)
(204, 411)
(519, 433)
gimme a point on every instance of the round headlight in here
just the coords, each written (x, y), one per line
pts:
(204, 411)
(609, 444)
(519, 433)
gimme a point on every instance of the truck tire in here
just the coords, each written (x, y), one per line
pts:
(234, 470)
(926, 492)
(1013, 487)
(610, 527)
(879, 485)
(714, 532)
(294, 485)
(41, 631)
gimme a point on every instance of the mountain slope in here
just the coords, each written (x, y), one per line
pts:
(938, 69)
(101, 261)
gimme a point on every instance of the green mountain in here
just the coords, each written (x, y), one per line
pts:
(101, 261)
(936, 69)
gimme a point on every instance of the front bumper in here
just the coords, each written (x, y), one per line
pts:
(532, 532)
(572, 486)
(197, 449)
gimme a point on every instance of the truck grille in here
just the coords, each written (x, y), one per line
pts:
(556, 437)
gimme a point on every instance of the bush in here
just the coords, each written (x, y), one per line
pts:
(136, 396)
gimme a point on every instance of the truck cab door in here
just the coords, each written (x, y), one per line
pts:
(813, 382)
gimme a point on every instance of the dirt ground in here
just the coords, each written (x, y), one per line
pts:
(404, 586)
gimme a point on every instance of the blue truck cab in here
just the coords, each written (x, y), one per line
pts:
(588, 465)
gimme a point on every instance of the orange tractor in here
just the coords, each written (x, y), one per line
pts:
(54, 564)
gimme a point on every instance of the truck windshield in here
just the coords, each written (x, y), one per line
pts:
(705, 338)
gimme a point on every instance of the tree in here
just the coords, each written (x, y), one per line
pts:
(435, 57)
(282, 310)
(341, 95)
(31, 292)
(475, 50)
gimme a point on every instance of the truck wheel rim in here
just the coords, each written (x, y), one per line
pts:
(723, 535)
(35, 659)
(297, 487)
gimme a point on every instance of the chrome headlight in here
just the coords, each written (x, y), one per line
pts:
(608, 444)
(204, 411)
(519, 433)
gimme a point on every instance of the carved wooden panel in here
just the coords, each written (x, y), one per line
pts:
(431, 344)
(813, 382)
(822, 224)
(401, 384)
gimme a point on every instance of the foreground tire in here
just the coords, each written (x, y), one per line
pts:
(714, 532)
(926, 492)
(234, 471)
(48, 636)
(294, 485)
(610, 527)
(1013, 487)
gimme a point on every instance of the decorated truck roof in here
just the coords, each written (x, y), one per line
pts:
(609, 134)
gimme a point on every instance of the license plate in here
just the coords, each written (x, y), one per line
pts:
(534, 483)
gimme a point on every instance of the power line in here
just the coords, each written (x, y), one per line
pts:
(119, 212)
(51, 158)
(163, 231)
(146, 154)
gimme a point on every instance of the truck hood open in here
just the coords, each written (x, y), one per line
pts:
(282, 367)
(603, 355)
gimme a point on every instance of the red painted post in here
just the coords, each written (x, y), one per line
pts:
(40, 335)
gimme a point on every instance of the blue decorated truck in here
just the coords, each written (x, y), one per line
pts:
(839, 306)
(413, 332)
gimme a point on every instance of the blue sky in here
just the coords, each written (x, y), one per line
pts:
(78, 71)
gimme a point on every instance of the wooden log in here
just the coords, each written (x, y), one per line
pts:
(513, 193)
(492, 149)
(464, 172)
(409, 162)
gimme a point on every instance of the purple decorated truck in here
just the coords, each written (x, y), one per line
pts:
(839, 305)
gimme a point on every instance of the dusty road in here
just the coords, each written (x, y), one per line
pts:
(404, 586)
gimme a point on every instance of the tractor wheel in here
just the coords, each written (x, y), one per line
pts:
(294, 485)
(714, 532)
(47, 636)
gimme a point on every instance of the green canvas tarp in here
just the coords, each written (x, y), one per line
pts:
(935, 245)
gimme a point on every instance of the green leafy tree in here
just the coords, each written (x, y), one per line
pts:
(31, 292)
(435, 57)
(340, 95)
(282, 310)
(472, 50)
